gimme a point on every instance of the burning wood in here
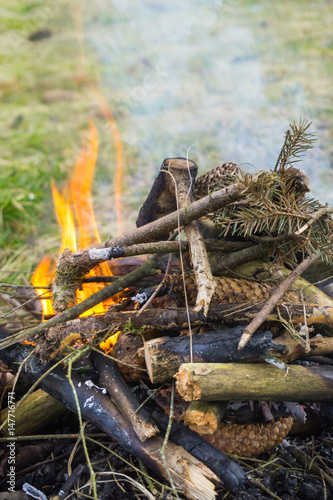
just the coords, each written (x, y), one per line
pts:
(213, 280)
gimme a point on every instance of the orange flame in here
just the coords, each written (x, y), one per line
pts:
(41, 277)
(79, 201)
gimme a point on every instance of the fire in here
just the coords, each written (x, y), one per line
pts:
(76, 209)
(41, 277)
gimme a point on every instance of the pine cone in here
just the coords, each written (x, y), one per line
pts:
(214, 179)
(228, 290)
(250, 440)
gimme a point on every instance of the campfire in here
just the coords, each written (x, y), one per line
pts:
(208, 309)
(77, 208)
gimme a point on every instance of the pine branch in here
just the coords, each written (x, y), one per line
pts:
(297, 141)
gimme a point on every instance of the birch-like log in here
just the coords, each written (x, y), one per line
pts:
(183, 173)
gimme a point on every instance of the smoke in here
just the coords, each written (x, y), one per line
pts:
(193, 72)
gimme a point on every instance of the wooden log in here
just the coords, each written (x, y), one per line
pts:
(190, 475)
(162, 199)
(169, 318)
(36, 411)
(123, 398)
(257, 382)
(204, 417)
(290, 349)
(164, 355)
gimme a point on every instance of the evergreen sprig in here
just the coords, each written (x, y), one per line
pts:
(296, 142)
(274, 208)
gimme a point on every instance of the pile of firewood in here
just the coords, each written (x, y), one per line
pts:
(224, 311)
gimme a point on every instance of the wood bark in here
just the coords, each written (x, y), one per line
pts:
(123, 398)
(164, 355)
(289, 349)
(204, 417)
(244, 382)
(36, 411)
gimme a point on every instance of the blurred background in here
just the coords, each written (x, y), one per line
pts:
(217, 81)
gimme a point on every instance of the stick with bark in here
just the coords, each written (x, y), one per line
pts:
(147, 269)
(272, 302)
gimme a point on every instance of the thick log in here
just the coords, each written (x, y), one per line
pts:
(290, 349)
(162, 198)
(204, 417)
(164, 355)
(36, 411)
(191, 476)
(72, 267)
(257, 382)
(123, 398)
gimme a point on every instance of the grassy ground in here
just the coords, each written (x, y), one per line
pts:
(48, 97)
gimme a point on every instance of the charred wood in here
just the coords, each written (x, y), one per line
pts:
(190, 476)
(165, 355)
(228, 471)
(123, 398)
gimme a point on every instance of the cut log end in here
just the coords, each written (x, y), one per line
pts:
(187, 388)
(204, 417)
